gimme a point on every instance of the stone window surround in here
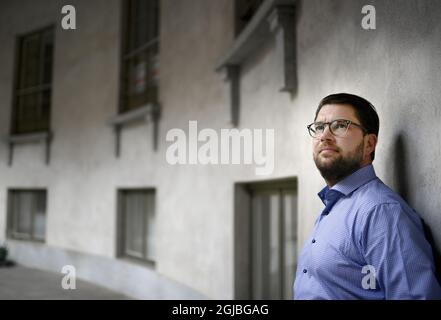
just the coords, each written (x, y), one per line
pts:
(148, 113)
(273, 18)
(35, 137)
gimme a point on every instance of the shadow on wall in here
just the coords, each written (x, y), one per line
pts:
(400, 177)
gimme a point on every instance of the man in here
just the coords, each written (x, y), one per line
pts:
(367, 243)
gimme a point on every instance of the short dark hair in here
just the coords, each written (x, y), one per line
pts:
(364, 111)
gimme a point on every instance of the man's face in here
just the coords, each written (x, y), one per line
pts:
(338, 157)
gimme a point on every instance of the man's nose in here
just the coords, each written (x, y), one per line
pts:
(326, 135)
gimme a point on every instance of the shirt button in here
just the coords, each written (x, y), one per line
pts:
(305, 271)
(313, 240)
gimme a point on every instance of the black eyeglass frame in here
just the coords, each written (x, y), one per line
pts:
(348, 123)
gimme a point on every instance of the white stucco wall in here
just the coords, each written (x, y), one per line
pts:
(396, 67)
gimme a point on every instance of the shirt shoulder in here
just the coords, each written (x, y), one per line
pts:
(375, 204)
(391, 239)
(376, 195)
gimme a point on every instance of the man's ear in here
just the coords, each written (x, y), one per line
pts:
(371, 142)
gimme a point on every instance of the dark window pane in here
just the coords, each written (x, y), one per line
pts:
(41, 117)
(245, 10)
(152, 20)
(24, 213)
(48, 48)
(30, 62)
(150, 248)
(140, 63)
(26, 112)
(141, 81)
(32, 106)
(32, 113)
(28, 214)
(142, 22)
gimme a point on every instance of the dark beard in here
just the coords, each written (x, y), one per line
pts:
(341, 167)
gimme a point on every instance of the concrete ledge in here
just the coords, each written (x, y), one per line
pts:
(29, 137)
(136, 114)
(128, 278)
(273, 18)
(257, 30)
(44, 136)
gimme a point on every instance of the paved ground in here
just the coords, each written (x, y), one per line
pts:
(17, 283)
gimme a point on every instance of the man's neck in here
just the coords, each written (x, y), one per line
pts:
(332, 182)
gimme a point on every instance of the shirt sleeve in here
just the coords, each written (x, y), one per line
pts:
(393, 243)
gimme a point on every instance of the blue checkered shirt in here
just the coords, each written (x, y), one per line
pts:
(366, 244)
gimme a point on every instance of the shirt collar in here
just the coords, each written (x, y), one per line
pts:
(351, 182)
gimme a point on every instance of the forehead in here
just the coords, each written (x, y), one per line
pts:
(331, 112)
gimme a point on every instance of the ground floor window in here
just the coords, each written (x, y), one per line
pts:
(271, 210)
(27, 214)
(137, 224)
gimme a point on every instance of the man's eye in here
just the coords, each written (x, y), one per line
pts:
(319, 127)
(340, 125)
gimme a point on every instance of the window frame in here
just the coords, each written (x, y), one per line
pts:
(280, 192)
(244, 195)
(12, 214)
(40, 88)
(127, 55)
(121, 226)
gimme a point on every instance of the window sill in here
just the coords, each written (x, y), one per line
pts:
(42, 137)
(138, 261)
(24, 238)
(142, 113)
(29, 137)
(147, 113)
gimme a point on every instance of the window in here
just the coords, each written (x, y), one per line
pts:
(137, 224)
(140, 60)
(27, 214)
(265, 243)
(245, 10)
(31, 111)
(273, 244)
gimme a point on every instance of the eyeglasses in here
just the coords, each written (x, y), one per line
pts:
(338, 127)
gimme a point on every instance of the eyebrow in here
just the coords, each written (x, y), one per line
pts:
(353, 121)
